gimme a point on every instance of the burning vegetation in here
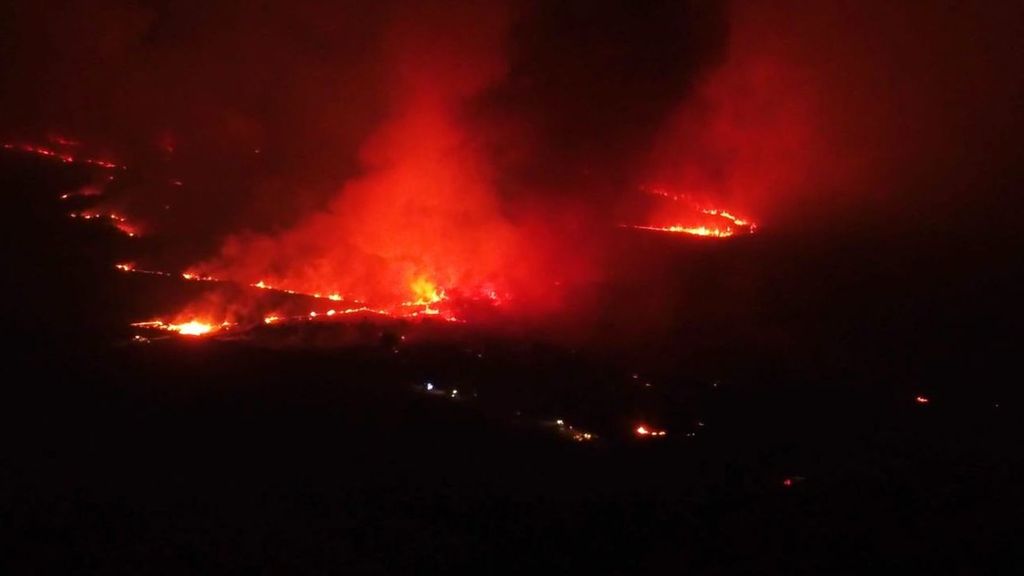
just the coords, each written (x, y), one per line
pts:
(63, 154)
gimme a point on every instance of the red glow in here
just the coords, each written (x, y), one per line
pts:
(681, 215)
(65, 157)
(421, 233)
(921, 399)
(747, 137)
(118, 221)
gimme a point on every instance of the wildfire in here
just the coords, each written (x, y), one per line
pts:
(426, 293)
(644, 431)
(190, 328)
(693, 230)
(420, 307)
(65, 157)
(701, 221)
(120, 222)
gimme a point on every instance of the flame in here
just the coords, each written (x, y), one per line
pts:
(645, 431)
(190, 328)
(693, 231)
(701, 221)
(426, 293)
(65, 157)
(119, 221)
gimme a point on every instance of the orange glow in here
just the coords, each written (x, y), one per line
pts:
(119, 221)
(693, 231)
(422, 228)
(65, 157)
(644, 431)
(190, 328)
(426, 292)
(197, 277)
(427, 295)
(921, 399)
(682, 215)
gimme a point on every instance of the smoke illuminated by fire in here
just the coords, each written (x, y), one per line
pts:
(422, 227)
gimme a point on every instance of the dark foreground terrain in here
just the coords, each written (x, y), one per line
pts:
(795, 441)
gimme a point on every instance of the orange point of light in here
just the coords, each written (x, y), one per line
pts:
(643, 430)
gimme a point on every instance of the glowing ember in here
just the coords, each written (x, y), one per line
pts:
(86, 192)
(65, 157)
(574, 433)
(119, 221)
(921, 399)
(644, 431)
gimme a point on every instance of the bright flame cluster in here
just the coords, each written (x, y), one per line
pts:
(190, 328)
(427, 294)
